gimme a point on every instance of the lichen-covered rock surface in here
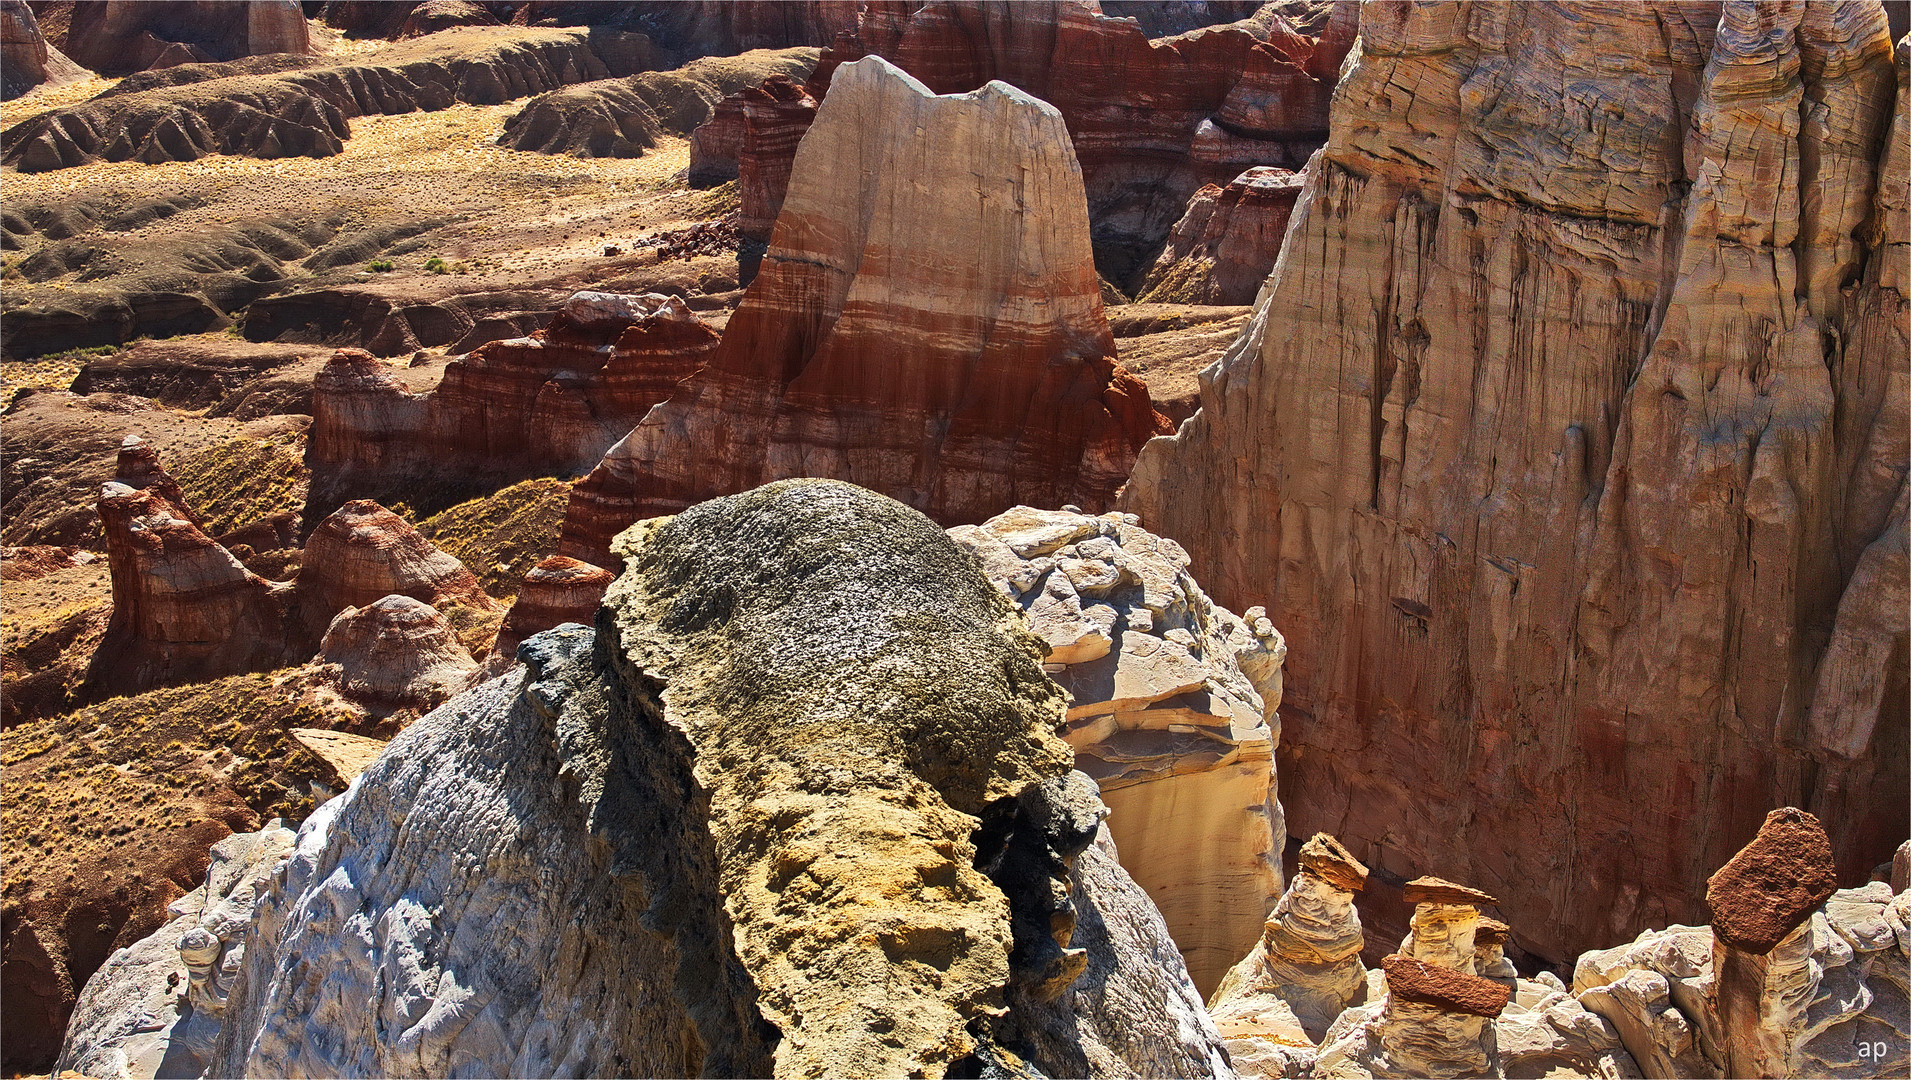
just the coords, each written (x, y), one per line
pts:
(796, 807)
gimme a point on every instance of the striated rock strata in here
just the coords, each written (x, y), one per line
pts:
(1224, 245)
(1574, 474)
(1152, 121)
(363, 554)
(394, 653)
(945, 347)
(1173, 715)
(556, 591)
(549, 403)
(795, 808)
(1305, 970)
(184, 609)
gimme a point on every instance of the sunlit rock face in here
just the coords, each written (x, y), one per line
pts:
(1575, 475)
(1173, 714)
(927, 323)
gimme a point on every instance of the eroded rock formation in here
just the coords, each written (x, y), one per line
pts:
(1224, 245)
(557, 590)
(394, 653)
(26, 60)
(1533, 451)
(1794, 978)
(1303, 972)
(155, 1008)
(623, 117)
(774, 116)
(1152, 121)
(116, 37)
(549, 403)
(726, 841)
(362, 554)
(306, 111)
(1173, 715)
(947, 348)
(184, 610)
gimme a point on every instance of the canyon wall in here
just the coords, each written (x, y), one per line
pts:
(1151, 121)
(927, 324)
(1568, 446)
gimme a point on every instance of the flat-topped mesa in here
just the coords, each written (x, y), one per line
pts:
(549, 403)
(395, 653)
(184, 610)
(138, 467)
(1571, 373)
(1308, 957)
(1762, 904)
(1226, 242)
(1152, 121)
(362, 553)
(1446, 917)
(557, 590)
(927, 324)
(1173, 715)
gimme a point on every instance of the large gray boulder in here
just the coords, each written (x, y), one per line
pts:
(795, 807)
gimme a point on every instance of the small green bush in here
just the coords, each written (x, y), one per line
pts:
(382, 266)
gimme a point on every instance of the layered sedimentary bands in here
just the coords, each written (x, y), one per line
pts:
(1152, 121)
(545, 404)
(1795, 978)
(818, 827)
(944, 345)
(1568, 449)
(1172, 714)
(186, 610)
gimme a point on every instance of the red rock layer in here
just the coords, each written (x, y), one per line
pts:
(556, 591)
(928, 324)
(1773, 883)
(184, 610)
(1151, 121)
(717, 143)
(1223, 247)
(1575, 480)
(775, 116)
(363, 553)
(138, 467)
(395, 653)
(550, 403)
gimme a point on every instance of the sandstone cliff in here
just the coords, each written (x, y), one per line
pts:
(1152, 121)
(944, 346)
(795, 808)
(547, 404)
(1173, 715)
(1225, 243)
(1568, 449)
